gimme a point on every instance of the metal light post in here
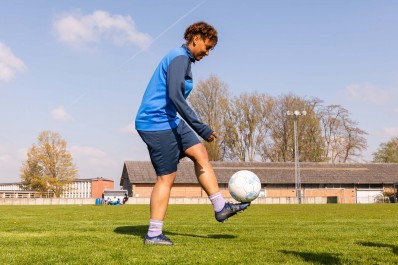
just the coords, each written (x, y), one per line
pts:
(297, 178)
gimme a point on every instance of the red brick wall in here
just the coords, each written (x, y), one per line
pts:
(99, 185)
(192, 190)
(178, 191)
(344, 195)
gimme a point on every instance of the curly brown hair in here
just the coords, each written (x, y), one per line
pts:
(206, 31)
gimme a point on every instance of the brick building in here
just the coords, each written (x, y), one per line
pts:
(344, 183)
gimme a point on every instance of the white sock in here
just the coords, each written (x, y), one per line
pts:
(155, 227)
(218, 201)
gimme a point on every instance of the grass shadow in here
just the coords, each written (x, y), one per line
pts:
(315, 258)
(216, 236)
(137, 230)
(141, 230)
(393, 248)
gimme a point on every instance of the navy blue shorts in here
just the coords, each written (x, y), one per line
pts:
(167, 147)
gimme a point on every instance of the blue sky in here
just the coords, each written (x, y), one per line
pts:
(80, 68)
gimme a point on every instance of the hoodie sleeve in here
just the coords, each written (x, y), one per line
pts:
(176, 91)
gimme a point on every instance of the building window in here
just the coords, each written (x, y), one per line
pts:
(363, 186)
(223, 185)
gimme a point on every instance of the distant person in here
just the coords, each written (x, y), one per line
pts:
(169, 138)
(125, 199)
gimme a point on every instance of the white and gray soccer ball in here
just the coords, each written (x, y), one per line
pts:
(244, 186)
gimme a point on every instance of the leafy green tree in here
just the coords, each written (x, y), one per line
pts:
(49, 166)
(387, 152)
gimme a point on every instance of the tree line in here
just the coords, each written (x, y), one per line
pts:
(251, 127)
(255, 127)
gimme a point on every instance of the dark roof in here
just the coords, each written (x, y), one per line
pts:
(274, 173)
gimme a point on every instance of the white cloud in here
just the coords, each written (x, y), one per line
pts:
(392, 132)
(5, 158)
(10, 163)
(9, 64)
(93, 162)
(78, 30)
(86, 151)
(8, 153)
(368, 93)
(60, 114)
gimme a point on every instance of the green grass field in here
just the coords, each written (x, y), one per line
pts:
(264, 234)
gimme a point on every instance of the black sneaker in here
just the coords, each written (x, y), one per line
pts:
(158, 240)
(230, 209)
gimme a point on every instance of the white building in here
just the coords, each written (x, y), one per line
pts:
(16, 186)
(80, 188)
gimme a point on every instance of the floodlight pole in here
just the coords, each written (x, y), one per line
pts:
(297, 178)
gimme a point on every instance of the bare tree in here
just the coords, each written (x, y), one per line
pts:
(344, 141)
(210, 100)
(244, 126)
(311, 143)
(331, 117)
(255, 126)
(280, 145)
(264, 139)
(49, 166)
(354, 142)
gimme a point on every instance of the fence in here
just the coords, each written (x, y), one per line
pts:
(140, 200)
(25, 194)
(45, 201)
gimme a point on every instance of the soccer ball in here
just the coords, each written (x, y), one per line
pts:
(244, 186)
